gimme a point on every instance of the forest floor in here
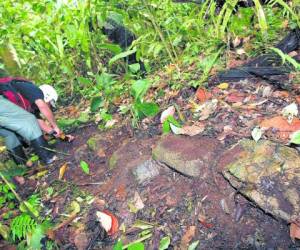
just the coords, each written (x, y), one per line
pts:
(152, 200)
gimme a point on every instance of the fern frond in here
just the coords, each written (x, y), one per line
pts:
(21, 226)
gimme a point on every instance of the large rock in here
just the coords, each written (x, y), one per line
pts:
(267, 173)
(191, 156)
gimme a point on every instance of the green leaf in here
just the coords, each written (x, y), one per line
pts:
(148, 109)
(166, 127)
(134, 68)
(139, 88)
(143, 224)
(84, 117)
(194, 245)
(295, 138)
(25, 206)
(4, 231)
(63, 123)
(104, 80)
(35, 238)
(172, 120)
(118, 245)
(164, 243)
(84, 80)
(120, 56)
(38, 233)
(114, 48)
(85, 167)
(136, 246)
(96, 103)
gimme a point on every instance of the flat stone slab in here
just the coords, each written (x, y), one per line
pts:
(191, 156)
(267, 173)
(146, 171)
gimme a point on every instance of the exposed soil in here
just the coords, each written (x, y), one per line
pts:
(223, 219)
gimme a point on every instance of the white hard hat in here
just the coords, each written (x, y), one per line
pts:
(50, 94)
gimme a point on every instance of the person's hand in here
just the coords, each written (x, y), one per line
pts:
(57, 132)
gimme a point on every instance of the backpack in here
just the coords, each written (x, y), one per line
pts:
(10, 93)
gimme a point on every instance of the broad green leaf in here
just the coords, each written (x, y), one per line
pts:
(38, 233)
(166, 127)
(96, 103)
(114, 48)
(139, 88)
(120, 56)
(134, 68)
(148, 108)
(64, 123)
(85, 167)
(136, 246)
(84, 117)
(194, 245)
(295, 138)
(35, 238)
(172, 120)
(118, 245)
(84, 80)
(164, 243)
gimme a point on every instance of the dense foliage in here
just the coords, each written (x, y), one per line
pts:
(60, 41)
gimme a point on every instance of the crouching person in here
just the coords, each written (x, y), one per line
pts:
(21, 103)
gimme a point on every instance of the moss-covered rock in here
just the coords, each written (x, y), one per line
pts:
(268, 174)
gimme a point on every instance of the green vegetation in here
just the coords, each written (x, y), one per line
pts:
(61, 42)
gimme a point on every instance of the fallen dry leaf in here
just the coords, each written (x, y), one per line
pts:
(281, 94)
(188, 130)
(294, 231)
(208, 108)
(223, 85)
(282, 127)
(203, 95)
(110, 123)
(188, 236)
(281, 124)
(137, 200)
(101, 153)
(202, 220)
(192, 130)
(235, 97)
(81, 241)
(62, 170)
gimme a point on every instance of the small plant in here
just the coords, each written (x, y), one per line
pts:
(7, 198)
(21, 226)
(140, 108)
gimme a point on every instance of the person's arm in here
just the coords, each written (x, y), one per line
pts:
(46, 111)
(44, 126)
